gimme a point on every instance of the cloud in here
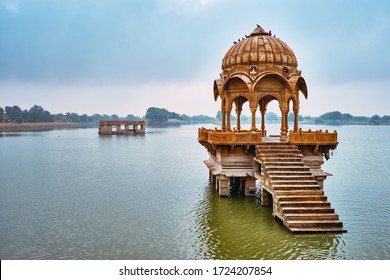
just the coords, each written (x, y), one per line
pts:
(192, 98)
(12, 6)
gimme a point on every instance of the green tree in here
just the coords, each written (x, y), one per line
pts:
(60, 117)
(333, 117)
(35, 114)
(114, 117)
(346, 117)
(219, 116)
(244, 119)
(154, 114)
(131, 117)
(375, 119)
(1, 114)
(386, 119)
(84, 118)
(271, 117)
(175, 116)
(72, 117)
(201, 119)
(291, 117)
(185, 118)
(14, 113)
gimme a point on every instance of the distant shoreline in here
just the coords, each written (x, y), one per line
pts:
(38, 126)
(44, 126)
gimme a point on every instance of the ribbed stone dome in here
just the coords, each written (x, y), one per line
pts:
(259, 48)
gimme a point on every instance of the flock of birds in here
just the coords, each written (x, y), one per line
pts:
(246, 36)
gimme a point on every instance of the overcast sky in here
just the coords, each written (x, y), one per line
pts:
(123, 56)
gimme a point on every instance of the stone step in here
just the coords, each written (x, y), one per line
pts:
(302, 210)
(297, 192)
(312, 216)
(302, 198)
(292, 168)
(292, 178)
(279, 151)
(294, 182)
(298, 198)
(317, 230)
(273, 160)
(313, 223)
(289, 174)
(307, 204)
(285, 163)
(284, 187)
(281, 155)
(275, 146)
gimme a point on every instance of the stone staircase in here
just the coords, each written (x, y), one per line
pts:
(298, 199)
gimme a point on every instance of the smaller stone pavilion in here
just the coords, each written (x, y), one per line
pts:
(255, 71)
(121, 127)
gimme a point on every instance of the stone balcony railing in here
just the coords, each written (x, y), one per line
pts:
(313, 137)
(229, 137)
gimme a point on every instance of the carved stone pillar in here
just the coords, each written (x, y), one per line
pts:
(283, 129)
(223, 186)
(263, 110)
(250, 186)
(295, 119)
(265, 198)
(253, 111)
(238, 113)
(228, 112)
(212, 178)
(223, 118)
(288, 111)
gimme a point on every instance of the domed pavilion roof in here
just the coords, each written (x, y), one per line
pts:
(259, 48)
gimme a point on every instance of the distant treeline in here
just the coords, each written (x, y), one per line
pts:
(337, 117)
(39, 114)
(334, 117)
(161, 115)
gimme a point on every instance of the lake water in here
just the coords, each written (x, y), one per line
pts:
(70, 194)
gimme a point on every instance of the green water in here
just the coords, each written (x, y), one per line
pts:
(70, 194)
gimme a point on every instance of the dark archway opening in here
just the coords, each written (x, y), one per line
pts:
(237, 186)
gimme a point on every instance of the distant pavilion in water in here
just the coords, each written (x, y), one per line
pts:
(122, 128)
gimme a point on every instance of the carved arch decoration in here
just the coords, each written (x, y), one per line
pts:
(268, 76)
(218, 84)
(302, 87)
(239, 101)
(236, 87)
(233, 81)
(271, 84)
(295, 103)
(265, 100)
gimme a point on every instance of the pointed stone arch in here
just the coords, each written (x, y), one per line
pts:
(218, 84)
(236, 88)
(239, 102)
(302, 87)
(262, 104)
(276, 86)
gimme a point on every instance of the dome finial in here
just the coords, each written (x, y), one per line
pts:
(259, 31)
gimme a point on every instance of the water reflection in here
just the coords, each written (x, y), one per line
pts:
(10, 134)
(239, 228)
